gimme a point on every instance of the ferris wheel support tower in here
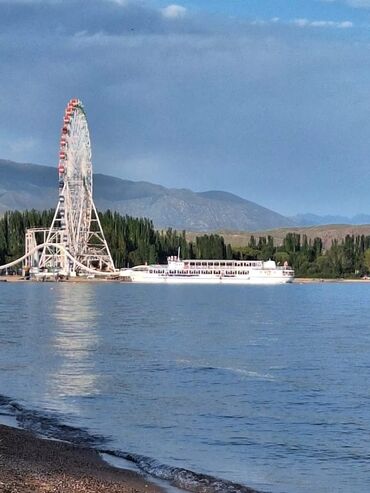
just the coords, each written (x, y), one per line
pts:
(76, 225)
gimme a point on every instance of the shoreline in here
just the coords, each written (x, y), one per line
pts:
(29, 464)
(297, 280)
(32, 463)
(314, 280)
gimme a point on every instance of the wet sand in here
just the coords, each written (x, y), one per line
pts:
(29, 464)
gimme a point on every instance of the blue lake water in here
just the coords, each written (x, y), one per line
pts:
(264, 386)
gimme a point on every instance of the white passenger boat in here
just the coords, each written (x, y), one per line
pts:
(179, 271)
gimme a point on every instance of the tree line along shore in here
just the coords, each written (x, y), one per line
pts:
(134, 241)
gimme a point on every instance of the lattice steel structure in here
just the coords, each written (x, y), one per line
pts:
(76, 225)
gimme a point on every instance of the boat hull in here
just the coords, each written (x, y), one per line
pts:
(260, 280)
(209, 272)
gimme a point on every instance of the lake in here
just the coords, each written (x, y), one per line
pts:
(264, 386)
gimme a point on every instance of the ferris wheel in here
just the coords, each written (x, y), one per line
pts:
(75, 178)
(76, 226)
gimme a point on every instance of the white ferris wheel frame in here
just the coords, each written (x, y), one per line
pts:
(76, 225)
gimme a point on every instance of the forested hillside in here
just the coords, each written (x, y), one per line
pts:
(135, 241)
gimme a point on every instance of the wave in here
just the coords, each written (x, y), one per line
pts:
(47, 424)
(181, 478)
(50, 425)
(237, 371)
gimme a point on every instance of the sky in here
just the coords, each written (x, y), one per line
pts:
(267, 99)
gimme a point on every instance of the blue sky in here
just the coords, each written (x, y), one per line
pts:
(285, 9)
(269, 99)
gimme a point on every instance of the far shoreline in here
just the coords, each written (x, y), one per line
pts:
(82, 280)
(315, 280)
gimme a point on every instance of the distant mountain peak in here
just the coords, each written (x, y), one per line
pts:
(309, 219)
(26, 186)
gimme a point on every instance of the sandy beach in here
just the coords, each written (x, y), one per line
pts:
(29, 464)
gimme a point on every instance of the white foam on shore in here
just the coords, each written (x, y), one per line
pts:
(121, 463)
(118, 462)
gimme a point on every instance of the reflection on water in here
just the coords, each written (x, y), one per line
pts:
(73, 342)
(243, 383)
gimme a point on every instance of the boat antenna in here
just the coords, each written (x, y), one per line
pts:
(178, 253)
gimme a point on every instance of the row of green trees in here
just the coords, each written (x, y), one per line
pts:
(134, 241)
(347, 258)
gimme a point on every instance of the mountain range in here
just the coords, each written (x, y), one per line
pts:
(316, 220)
(26, 186)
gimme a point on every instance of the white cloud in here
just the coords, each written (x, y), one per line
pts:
(301, 22)
(323, 24)
(345, 24)
(174, 11)
(339, 25)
